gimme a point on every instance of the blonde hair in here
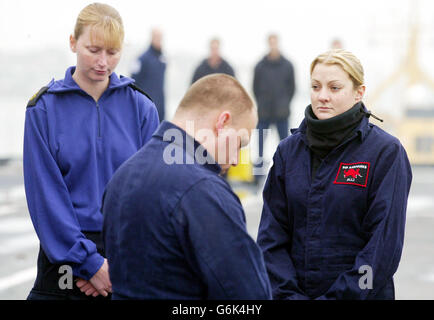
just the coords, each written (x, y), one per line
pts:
(346, 60)
(101, 17)
(217, 91)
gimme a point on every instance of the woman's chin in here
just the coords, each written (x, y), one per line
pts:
(324, 114)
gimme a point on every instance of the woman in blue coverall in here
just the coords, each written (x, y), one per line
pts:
(332, 225)
(78, 131)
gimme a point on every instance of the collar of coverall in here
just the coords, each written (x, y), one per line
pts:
(172, 134)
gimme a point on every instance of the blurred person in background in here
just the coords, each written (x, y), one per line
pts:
(173, 228)
(151, 68)
(214, 63)
(336, 44)
(273, 87)
(335, 200)
(78, 131)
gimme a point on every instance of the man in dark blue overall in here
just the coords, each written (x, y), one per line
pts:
(151, 72)
(213, 64)
(173, 228)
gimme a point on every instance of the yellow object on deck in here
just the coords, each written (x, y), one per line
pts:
(244, 170)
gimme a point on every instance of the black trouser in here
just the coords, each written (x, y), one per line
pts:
(46, 285)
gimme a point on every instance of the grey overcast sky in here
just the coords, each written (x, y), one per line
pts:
(375, 30)
(189, 24)
(306, 27)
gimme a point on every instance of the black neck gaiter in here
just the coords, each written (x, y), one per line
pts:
(325, 135)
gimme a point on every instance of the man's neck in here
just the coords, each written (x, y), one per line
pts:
(214, 62)
(274, 55)
(198, 128)
(156, 49)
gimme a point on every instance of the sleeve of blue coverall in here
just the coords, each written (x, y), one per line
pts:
(291, 82)
(150, 121)
(384, 223)
(274, 235)
(231, 72)
(256, 89)
(210, 227)
(140, 71)
(196, 75)
(49, 202)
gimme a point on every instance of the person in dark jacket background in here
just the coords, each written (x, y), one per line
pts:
(150, 76)
(78, 131)
(273, 87)
(335, 200)
(213, 64)
(173, 228)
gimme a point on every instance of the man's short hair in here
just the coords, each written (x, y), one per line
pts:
(217, 91)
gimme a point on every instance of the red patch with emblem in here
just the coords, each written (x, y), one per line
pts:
(353, 173)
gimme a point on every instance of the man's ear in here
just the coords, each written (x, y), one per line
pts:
(223, 119)
(73, 43)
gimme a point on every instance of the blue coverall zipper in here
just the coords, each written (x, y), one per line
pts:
(99, 120)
